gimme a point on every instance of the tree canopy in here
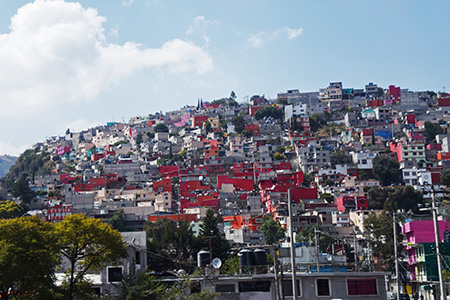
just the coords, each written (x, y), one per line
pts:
(29, 253)
(173, 244)
(403, 197)
(87, 244)
(377, 197)
(273, 232)
(445, 177)
(10, 209)
(239, 123)
(161, 127)
(381, 238)
(211, 236)
(269, 111)
(282, 100)
(386, 170)
(29, 164)
(431, 130)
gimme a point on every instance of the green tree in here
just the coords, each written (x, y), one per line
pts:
(22, 190)
(431, 130)
(212, 238)
(150, 135)
(233, 96)
(279, 156)
(328, 197)
(28, 257)
(173, 244)
(377, 196)
(29, 164)
(10, 209)
(315, 121)
(282, 100)
(239, 123)
(329, 182)
(161, 127)
(208, 127)
(139, 286)
(180, 156)
(247, 133)
(118, 220)
(445, 177)
(381, 238)
(273, 232)
(138, 138)
(305, 235)
(403, 197)
(386, 170)
(308, 179)
(269, 111)
(88, 244)
(231, 265)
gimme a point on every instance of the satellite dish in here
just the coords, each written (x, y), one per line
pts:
(329, 257)
(216, 263)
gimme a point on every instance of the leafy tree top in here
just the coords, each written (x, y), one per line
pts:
(88, 244)
(211, 235)
(269, 111)
(386, 170)
(29, 253)
(273, 232)
(161, 127)
(10, 209)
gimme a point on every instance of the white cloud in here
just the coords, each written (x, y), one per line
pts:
(56, 53)
(200, 24)
(79, 125)
(261, 38)
(11, 150)
(127, 3)
(293, 33)
(257, 40)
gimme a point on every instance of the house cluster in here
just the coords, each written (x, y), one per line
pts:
(226, 156)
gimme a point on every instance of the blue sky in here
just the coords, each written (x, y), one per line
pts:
(80, 64)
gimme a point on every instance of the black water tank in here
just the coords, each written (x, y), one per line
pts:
(203, 258)
(259, 257)
(246, 257)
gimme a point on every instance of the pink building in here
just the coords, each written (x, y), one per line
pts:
(420, 232)
(62, 150)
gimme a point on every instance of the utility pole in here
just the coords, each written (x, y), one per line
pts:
(356, 252)
(396, 258)
(275, 267)
(438, 250)
(316, 239)
(291, 235)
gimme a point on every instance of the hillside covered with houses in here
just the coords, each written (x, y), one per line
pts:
(345, 154)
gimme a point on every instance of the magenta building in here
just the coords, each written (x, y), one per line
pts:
(420, 232)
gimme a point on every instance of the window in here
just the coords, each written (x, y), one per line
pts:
(225, 288)
(114, 274)
(137, 257)
(362, 286)
(287, 288)
(254, 286)
(323, 287)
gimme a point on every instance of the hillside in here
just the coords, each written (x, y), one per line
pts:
(6, 162)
